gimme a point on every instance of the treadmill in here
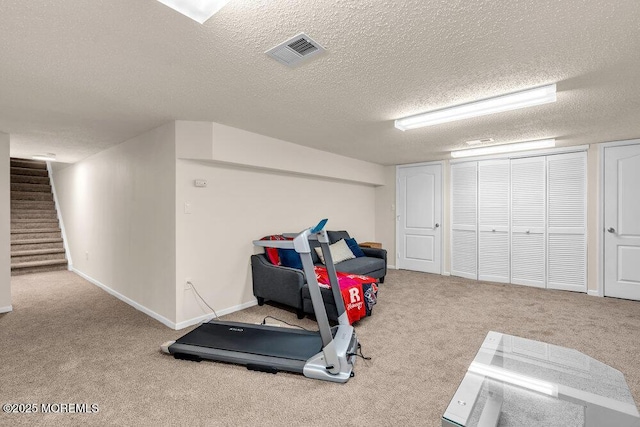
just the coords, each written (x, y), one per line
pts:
(327, 354)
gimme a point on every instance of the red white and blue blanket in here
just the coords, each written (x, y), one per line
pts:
(359, 293)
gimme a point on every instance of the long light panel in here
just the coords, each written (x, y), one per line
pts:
(198, 10)
(512, 101)
(505, 148)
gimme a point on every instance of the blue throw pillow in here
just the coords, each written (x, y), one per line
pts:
(353, 245)
(290, 258)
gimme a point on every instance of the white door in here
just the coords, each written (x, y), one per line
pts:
(419, 218)
(528, 222)
(493, 220)
(464, 222)
(567, 222)
(622, 222)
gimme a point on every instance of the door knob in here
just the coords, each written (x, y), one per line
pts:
(611, 230)
(437, 225)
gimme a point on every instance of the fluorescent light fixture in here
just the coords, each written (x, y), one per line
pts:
(479, 141)
(504, 148)
(49, 157)
(198, 10)
(511, 101)
(509, 377)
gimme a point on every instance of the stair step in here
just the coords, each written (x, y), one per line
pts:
(37, 205)
(46, 233)
(37, 252)
(28, 246)
(47, 240)
(38, 266)
(20, 259)
(29, 179)
(27, 186)
(17, 214)
(28, 171)
(34, 230)
(28, 195)
(39, 269)
(39, 263)
(28, 163)
(39, 224)
(33, 220)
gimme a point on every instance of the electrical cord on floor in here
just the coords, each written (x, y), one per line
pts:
(202, 299)
(264, 322)
(358, 353)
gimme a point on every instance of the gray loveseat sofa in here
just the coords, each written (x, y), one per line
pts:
(288, 286)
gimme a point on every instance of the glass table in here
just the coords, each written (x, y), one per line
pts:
(519, 382)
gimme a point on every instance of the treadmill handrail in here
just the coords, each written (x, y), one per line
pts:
(280, 244)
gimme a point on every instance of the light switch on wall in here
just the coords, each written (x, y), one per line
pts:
(187, 207)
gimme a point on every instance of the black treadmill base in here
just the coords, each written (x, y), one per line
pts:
(259, 340)
(262, 368)
(186, 356)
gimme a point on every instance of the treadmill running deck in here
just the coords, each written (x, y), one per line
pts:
(261, 340)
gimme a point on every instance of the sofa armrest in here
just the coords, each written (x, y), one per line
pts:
(375, 253)
(277, 283)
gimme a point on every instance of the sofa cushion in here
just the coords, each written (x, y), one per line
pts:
(334, 236)
(363, 265)
(290, 258)
(353, 245)
(339, 252)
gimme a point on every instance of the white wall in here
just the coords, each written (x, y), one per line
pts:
(225, 144)
(118, 208)
(386, 214)
(5, 226)
(241, 204)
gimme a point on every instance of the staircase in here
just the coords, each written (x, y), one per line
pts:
(36, 239)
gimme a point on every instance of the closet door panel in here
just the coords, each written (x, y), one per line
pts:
(464, 212)
(493, 220)
(493, 256)
(567, 222)
(528, 221)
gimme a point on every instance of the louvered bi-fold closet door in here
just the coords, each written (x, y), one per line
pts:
(567, 222)
(464, 181)
(528, 222)
(493, 220)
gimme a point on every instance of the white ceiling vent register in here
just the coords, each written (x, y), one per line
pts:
(297, 49)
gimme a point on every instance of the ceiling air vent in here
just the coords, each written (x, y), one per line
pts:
(296, 50)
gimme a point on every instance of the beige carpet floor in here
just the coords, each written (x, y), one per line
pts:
(68, 341)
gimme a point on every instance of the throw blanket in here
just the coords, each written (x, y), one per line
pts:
(359, 293)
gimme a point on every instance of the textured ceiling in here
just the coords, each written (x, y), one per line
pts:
(78, 76)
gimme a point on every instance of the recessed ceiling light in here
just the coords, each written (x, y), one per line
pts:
(49, 157)
(198, 10)
(479, 141)
(511, 101)
(504, 148)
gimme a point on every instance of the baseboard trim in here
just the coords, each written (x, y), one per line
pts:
(593, 293)
(393, 267)
(6, 309)
(127, 300)
(446, 273)
(209, 316)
